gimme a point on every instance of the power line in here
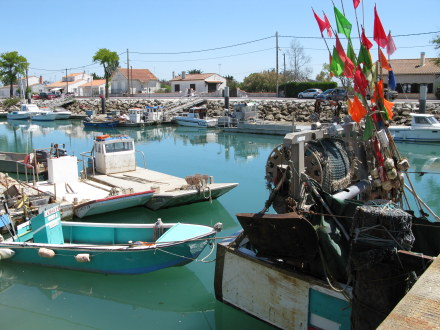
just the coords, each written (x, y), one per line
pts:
(205, 59)
(202, 50)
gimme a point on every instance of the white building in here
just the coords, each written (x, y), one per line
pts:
(93, 88)
(198, 83)
(141, 81)
(70, 83)
(35, 84)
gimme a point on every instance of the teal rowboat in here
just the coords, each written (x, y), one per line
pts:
(109, 248)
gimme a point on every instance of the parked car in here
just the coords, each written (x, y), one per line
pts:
(45, 96)
(309, 93)
(335, 94)
(388, 94)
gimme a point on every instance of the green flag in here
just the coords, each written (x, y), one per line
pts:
(369, 127)
(344, 26)
(337, 65)
(365, 57)
(351, 54)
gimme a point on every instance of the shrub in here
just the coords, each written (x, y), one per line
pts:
(437, 93)
(10, 102)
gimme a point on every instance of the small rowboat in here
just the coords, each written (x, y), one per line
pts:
(109, 248)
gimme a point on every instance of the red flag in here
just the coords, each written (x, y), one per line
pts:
(322, 25)
(356, 3)
(360, 82)
(383, 61)
(328, 27)
(379, 33)
(391, 47)
(348, 64)
(367, 43)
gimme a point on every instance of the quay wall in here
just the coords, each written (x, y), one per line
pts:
(281, 110)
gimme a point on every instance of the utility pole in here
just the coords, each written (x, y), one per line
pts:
(276, 66)
(27, 94)
(67, 83)
(128, 74)
(284, 74)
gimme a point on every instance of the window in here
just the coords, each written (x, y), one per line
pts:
(177, 88)
(192, 86)
(118, 146)
(421, 120)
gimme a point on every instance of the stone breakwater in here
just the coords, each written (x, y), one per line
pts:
(271, 110)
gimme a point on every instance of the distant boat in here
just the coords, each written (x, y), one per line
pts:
(101, 123)
(109, 248)
(196, 117)
(43, 116)
(424, 128)
(25, 112)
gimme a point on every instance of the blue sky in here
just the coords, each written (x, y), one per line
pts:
(54, 35)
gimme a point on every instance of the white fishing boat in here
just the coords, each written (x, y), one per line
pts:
(196, 117)
(43, 115)
(61, 113)
(424, 128)
(111, 180)
(25, 112)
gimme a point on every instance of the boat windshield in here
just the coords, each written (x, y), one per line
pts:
(118, 147)
(425, 120)
(432, 120)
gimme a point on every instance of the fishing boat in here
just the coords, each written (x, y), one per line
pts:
(12, 162)
(25, 112)
(43, 116)
(100, 123)
(61, 113)
(424, 128)
(196, 117)
(107, 248)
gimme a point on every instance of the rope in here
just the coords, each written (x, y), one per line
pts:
(193, 259)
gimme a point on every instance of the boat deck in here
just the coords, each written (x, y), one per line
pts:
(420, 308)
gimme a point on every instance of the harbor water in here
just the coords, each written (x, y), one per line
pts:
(174, 298)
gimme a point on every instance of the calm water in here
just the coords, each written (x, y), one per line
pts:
(174, 298)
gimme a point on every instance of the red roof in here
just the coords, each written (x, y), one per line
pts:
(143, 75)
(412, 66)
(196, 76)
(96, 82)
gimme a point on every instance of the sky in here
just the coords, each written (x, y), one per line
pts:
(58, 35)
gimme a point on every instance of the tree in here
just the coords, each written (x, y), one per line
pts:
(299, 69)
(110, 61)
(96, 76)
(436, 42)
(194, 71)
(11, 65)
(324, 75)
(265, 81)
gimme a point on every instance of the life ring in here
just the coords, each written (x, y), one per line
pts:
(102, 137)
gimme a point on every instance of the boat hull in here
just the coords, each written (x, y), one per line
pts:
(408, 134)
(193, 122)
(111, 204)
(101, 124)
(47, 117)
(165, 200)
(18, 116)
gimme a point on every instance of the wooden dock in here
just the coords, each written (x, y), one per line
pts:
(420, 308)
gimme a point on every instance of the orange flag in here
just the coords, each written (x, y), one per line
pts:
(356, 109)
(383, 61)
(378, 92)
(389, 107)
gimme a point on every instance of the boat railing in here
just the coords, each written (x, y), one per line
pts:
(143, 158)
(87, 155)
(26, 167)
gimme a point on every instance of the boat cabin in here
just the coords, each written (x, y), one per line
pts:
(29, 107)
(197, 112)
(136, 115)
(114, 154)
(420, 120)
(245, 111)
(154, 113)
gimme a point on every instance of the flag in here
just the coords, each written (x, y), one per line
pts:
(378, 92)
(328, 27)
(356, 3)
(383, 61)
(356, 109)
(365, 41)
(388, 108)
(360, 82)
(344, 26)
(369, 128)
(348, 64)
(365, 57)
(336, 65)
(322, 25)
(391, 80)
(379, 33)
(391, 46)
(330, 63)
(350, 53)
